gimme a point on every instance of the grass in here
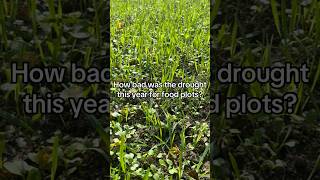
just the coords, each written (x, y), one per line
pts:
(159, 41)
(261, 34)
(44, 33)
(54, 157)
(2, 147)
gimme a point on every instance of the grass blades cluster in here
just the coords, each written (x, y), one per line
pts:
(160, 41)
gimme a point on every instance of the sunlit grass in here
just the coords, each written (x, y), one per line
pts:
(159, 41)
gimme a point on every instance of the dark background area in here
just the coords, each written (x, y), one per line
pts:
(262, 33)
(53, 33)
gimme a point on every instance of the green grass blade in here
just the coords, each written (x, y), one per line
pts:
(52, 11)
(122, 153)
(54, 158)
(234, 38)
(202, 157)
(300, 97)
(294, 15)
(275, 15)
(234, 165)
(2, 147)
(315, 168)
(3, 31)
(316, 78)
(317, 22)
(284, 28)
(215, 9)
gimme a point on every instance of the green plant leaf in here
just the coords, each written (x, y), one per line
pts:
(275, 15)
(17, 167)
(234, 165)
(54, 157)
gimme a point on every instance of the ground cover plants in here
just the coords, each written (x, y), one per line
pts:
(267, 33)
(159, 41)
(52, 33)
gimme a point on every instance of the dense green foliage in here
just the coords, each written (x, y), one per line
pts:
(160, 41)
(259, 34)
(46, 33)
